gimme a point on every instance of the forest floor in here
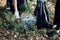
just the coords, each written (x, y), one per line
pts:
(26, 32)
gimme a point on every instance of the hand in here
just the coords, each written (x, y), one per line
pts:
(17, 14)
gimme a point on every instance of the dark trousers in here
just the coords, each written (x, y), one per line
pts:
(10, 4)
(20, 5)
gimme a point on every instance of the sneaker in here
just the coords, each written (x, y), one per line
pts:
(54, 26)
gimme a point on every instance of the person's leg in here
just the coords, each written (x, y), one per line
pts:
(10, 4)
(16, 9)
(20, 4)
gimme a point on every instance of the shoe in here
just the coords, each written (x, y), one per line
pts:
(54, 26)
(50, 33)
(58, 32)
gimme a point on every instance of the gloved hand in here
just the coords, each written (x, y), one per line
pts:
(16, 13)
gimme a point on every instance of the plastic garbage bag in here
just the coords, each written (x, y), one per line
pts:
(42, 14)
(23, 5)
(29, 20)
(20, 4)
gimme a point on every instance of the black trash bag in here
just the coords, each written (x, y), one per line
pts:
(20, 4)
(42, 15)
(57, 14)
